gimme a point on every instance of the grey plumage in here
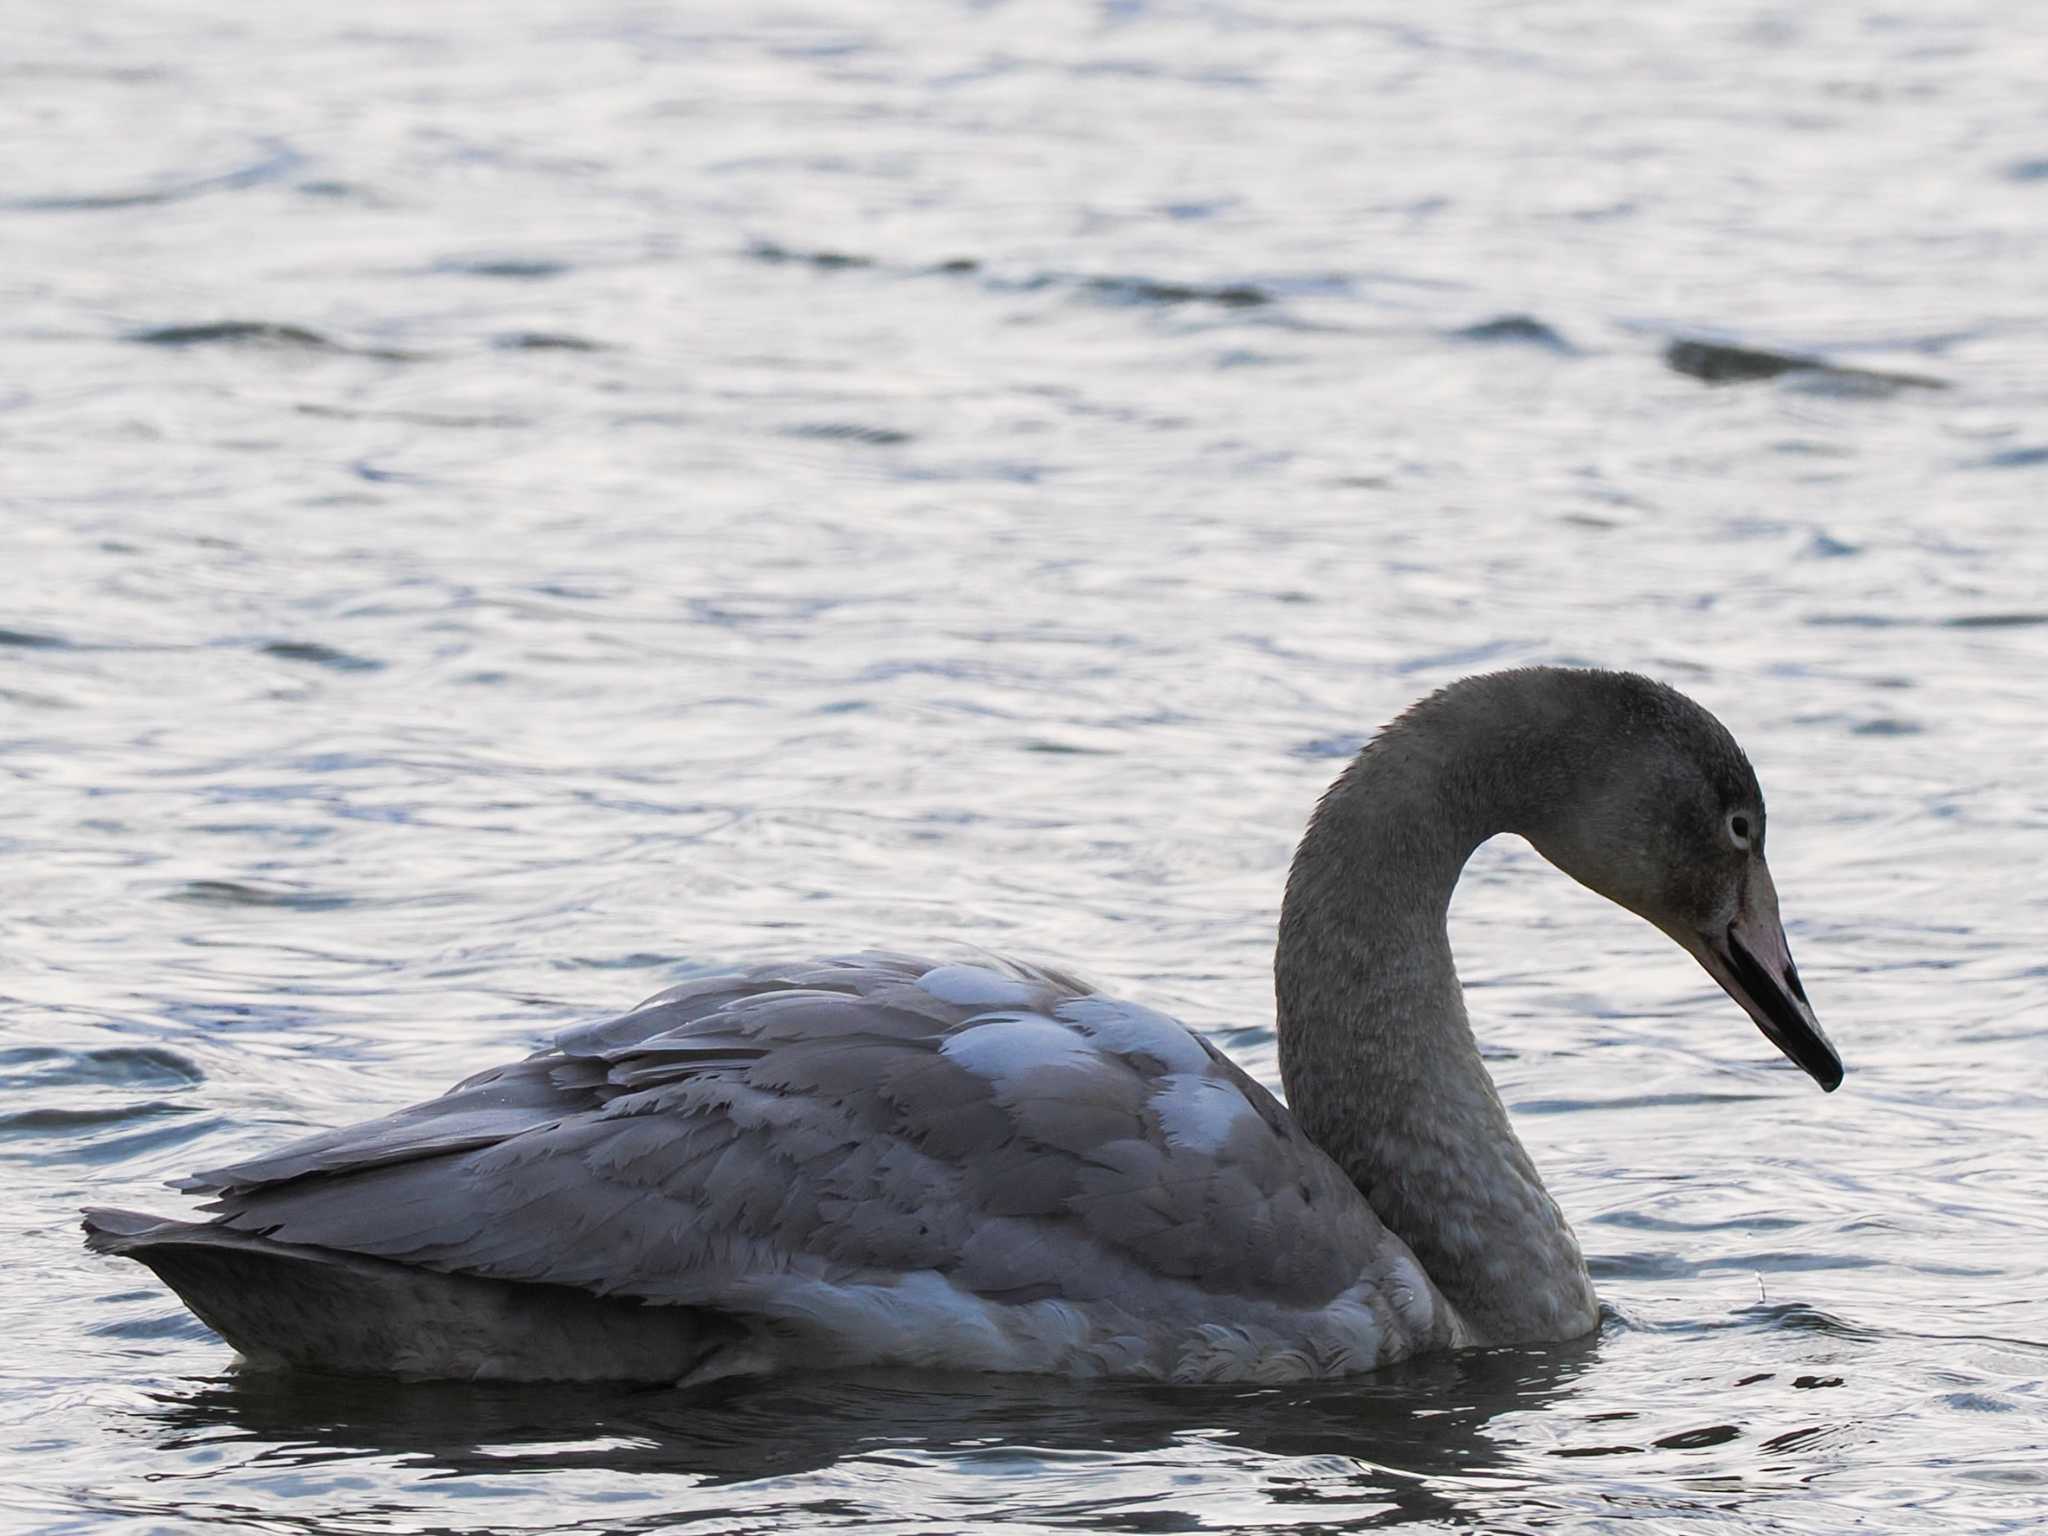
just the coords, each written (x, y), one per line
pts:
(806, 1120)
(880, 1159)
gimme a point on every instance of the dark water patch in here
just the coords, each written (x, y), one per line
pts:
(1007, 471)
(1814, 1383)
(320, 656)
(1995, 621)
(1768, 1315)
(1800, 1317)
(168, 1325)
(1249, 357)
(1053, 748)
(2027, 170)
(28, 700)
(1792, 1439)
(1147, 290)
(266, 332)
(2023, 1476)
(297, 1027)
(39, 1065)
(279, 162)
(545, 341)
(573, 592)
(1865, 725)
(849, 432)
(1843, 383)
(376, 474)
(1714, 362)
(1826, 547)
(238, 893)
(1856, 621)
(1037, 282)
(1519, 330)
(1571, 1106)
(638, 960)
(1966, 1402)
(824, 261)
(24, 1122)
(258, 333)
(2012, 458)
(164, 1127)
(1644, 1221)
(519, 269)
(2021, 620)
(1698, 1439)
(1598, 1450)
(32, 640)
(745, 610)
(1110, 289)
(1467, 657)
(1328, 748)
(454, 419)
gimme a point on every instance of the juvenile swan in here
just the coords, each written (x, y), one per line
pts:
(880, 1160)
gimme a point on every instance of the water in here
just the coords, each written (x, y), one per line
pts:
(504, 505)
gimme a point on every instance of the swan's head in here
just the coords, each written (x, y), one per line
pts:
(1665, 817)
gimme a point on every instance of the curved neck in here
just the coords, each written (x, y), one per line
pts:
(1376, 1052)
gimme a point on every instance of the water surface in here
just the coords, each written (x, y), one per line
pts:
(502, 508)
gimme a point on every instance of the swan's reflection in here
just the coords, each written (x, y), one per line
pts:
(1413, 1440)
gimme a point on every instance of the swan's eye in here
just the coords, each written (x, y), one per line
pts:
(1738, 828)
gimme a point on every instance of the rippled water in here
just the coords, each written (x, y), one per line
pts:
(504, 505)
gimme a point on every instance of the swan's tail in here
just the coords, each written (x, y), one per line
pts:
(289, 1305)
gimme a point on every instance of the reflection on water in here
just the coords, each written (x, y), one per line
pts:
(1401, 1445)
(503, 509)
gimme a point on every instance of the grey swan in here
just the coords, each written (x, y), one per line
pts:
(985, 1165)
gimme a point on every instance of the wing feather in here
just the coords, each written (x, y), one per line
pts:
(812, 1120)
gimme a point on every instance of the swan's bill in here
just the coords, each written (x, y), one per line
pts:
(1753, 963)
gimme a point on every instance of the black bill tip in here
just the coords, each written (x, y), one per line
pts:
(1779, 1006)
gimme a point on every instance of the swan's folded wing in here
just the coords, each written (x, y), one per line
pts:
(850, 1122)
(480, 1112)
(572, 1077)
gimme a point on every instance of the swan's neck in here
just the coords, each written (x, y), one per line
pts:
(1375, 1049)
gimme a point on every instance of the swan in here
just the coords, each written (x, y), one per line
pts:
(988, 1165)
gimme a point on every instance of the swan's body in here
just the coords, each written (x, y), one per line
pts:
(880, 1160)
(870, 1160)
